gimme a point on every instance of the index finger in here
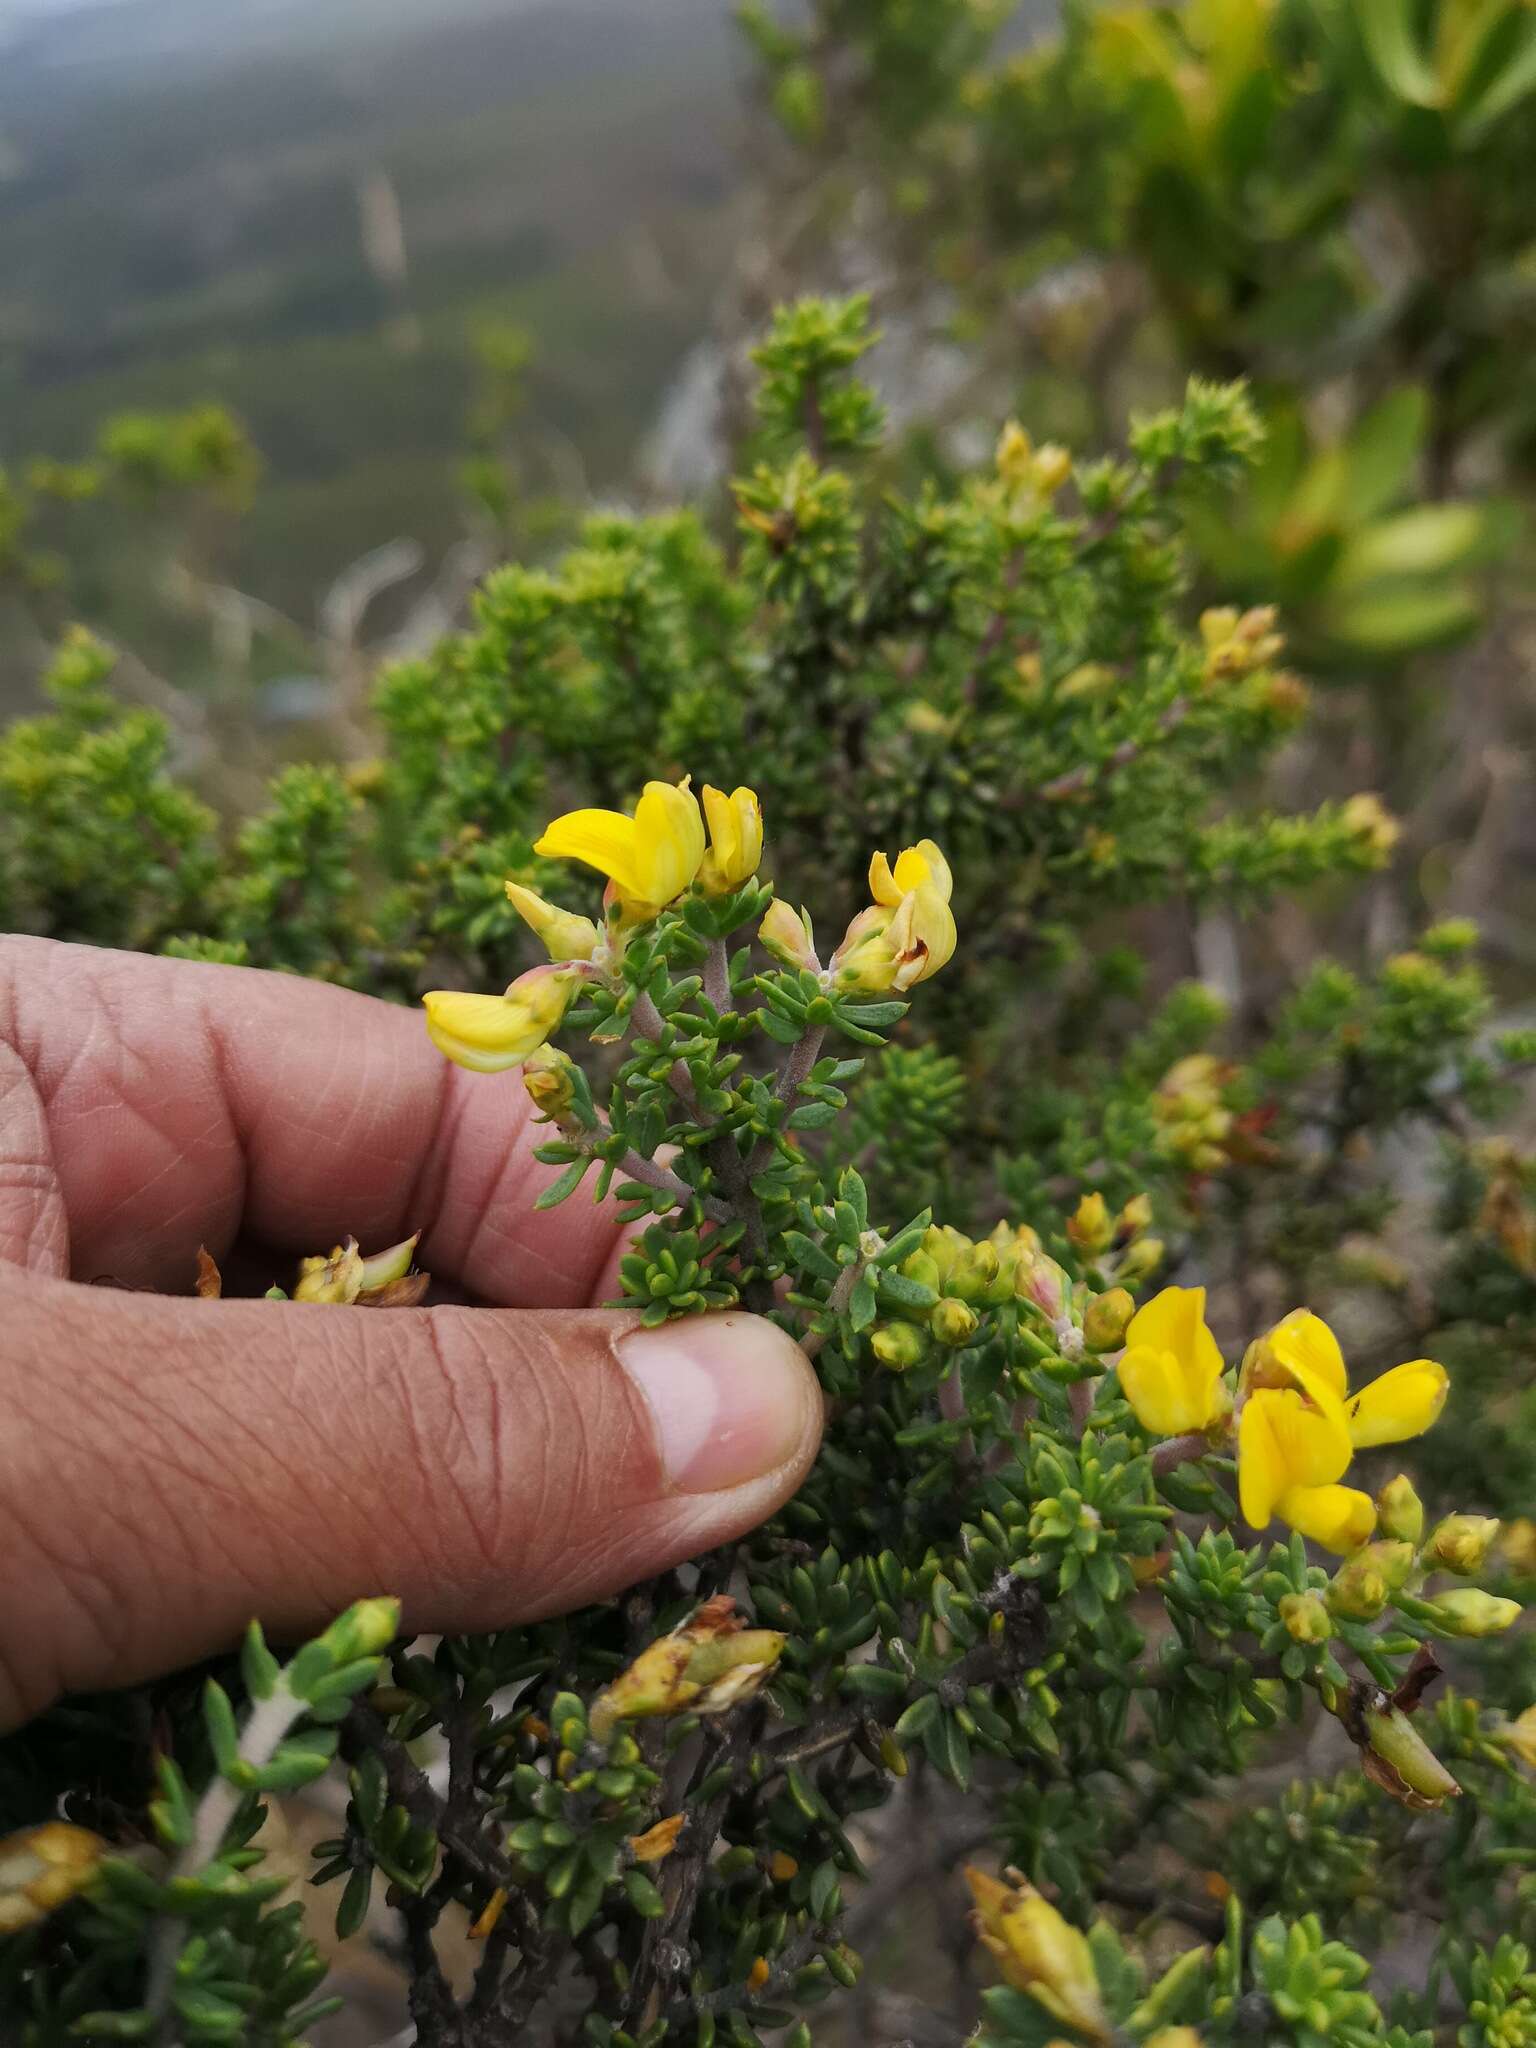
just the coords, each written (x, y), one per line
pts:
(148, 1106)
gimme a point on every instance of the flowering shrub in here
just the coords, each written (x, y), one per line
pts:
(1100, 1522)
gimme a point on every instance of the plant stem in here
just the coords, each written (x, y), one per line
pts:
(1179, 1450)
(265, 1729)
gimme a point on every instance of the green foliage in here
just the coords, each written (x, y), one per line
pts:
(1006, 1581)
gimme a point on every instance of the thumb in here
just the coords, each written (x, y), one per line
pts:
(168, 1468)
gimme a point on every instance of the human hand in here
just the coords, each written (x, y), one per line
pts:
(170, 1467)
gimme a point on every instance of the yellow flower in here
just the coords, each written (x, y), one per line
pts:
(1171, 1370)
(1039, 1952)
(1520, 1736)
(907, 933)
(565, 936)
(489, 1034)
(650, 858)
(1299, 1427)
(735, 839)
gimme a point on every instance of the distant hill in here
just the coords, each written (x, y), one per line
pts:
(182, 197)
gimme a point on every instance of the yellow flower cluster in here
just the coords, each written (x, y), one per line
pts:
(669, 846)
(1192, 1117)
(1237, 643)
(1298, 1425)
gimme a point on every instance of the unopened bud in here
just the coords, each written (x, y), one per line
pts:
(1399, 1511)
(787, 935)
(1106, 1319)
(953, 1322)
(899, 1346)
(1394, 1560)
(1051, 468)
(1467, 1612)
(565, 935)
(1306, 1618)
(1461, 1543)
(1135, 1217)
(974, 1271)
(1422, 1780)
(1090, 1227)
(1142, 1259)
(922, 1267)
(1358, 1591)
(367, 1628)
(550, 1079)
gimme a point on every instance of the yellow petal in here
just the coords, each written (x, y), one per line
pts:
(1304, 1343)
(882, 883)
(1261, 1473)
(489, 1034)
(735, 838)
(922, 934)
(1402, 1403)
(923, 863)
(1159, 1390)
(1174, 1320)
(1338, 1517)
(1310, 1434)
(669, 833)
(605, 840)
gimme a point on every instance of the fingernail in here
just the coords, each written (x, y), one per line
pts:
(732, 1397)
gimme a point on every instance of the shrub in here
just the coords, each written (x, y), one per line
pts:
(1020, 1570)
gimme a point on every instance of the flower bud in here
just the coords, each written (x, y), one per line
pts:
(1467, 1612)
(1039, 1279)
(366, 1630)
(1461, 1544)
(1106, 1319)
(1050, 469)
(975, 1271)
(1399, 1511)
(922, 1267)
(736, 840)
(1174, 2037)
(1014, 455)
(1517, 1546)
(787, 935)
(1394, 1560)
(564, 935)
(41, 1868)
(1141, 1259)
(1306, 1618)
(1520, 1737)
(550, 1079)
(898, 1346)
(945, 1246)
(1090, 1227)
(1369, 819)
(1422, 1780)
(1040, 1952)
(1358, 1590)
(953, 1322)
(1135, 1217)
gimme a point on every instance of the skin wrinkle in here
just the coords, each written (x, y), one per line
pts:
(191, 1463)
